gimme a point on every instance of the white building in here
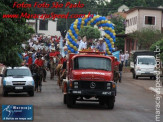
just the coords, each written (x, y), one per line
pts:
(142, 17)
(47, 27)
(123, 8)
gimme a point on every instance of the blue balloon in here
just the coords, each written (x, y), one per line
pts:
(114, 40)
(79, 20)
(72, 50)
(86, 21)
(104, 18)
(71, 27)
(70, 39)
(108, 41)
(76, 36)
(73, 31)
(109, 44)
(73, 42)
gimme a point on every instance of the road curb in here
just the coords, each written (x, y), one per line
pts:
(155, 91)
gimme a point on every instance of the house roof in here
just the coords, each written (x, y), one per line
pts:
(145, 8)
(122, 14)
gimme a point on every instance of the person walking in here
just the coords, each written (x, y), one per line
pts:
(122, 58)
(126, 58)
(120, 72)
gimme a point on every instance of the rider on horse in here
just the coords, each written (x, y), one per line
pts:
(53, 62)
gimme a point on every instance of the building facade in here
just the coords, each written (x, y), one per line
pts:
(139, 18)
(46, 27)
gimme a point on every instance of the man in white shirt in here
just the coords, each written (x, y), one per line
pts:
(36, 46)
(79, 40)
(52, 47)
(30, 41)
(35, 38)
(122, 58)
(83, 44)
(126, 58)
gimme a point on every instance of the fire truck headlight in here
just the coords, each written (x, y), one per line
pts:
(108, 84)
(76, 85)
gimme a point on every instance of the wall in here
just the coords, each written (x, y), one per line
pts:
(52, 26)
(158, 19)
(133, 24)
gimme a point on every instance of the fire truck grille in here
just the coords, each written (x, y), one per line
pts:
(92, 85)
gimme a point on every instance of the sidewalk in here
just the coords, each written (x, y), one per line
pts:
(145, 83)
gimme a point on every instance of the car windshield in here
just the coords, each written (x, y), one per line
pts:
(92, 63)
(147, 61)
(18, 72)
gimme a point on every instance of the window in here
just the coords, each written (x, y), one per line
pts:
(43, 25)
(147, 61)
(149, 20)
(18, 72)
(92, 63)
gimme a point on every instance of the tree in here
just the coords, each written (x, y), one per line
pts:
(13, 31)
(146, 37)
(94, 7)
(89, 32)
(160, 44)
(119, 24)
(132, 3)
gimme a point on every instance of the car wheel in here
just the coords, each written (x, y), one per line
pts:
(64, 99)
(151, 77)
(5, 93)
(136, 77)
(133, 75)
(31, 93)
(101, 101)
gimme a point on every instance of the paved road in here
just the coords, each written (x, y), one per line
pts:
(133, 104)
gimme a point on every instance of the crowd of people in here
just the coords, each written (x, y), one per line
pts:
(47, 52)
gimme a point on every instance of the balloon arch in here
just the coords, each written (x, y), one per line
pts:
(97, 20)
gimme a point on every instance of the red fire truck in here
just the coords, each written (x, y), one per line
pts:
(90, 78)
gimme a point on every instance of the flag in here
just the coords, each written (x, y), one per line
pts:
(116, 54)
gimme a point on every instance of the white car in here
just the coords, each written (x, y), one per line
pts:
(18, 79)
(145, 66)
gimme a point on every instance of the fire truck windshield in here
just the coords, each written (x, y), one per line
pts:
(92, 63)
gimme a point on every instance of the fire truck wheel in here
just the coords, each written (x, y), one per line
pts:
(101, 101)
(110, 102)
(64, 99)
(70, 101)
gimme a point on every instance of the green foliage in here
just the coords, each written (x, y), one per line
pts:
(92, 6)
(89, 32)
(119, 24)
(160, 44)
(13, 32)
(132, 3)
(146, 37)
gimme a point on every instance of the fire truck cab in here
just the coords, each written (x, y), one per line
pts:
(89, 78)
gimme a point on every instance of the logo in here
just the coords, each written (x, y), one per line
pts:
(17, 112)
(92, 85)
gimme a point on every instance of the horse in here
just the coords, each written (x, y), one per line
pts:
(58, 73)
(37, 73)
(53, 64)
(38, 80)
